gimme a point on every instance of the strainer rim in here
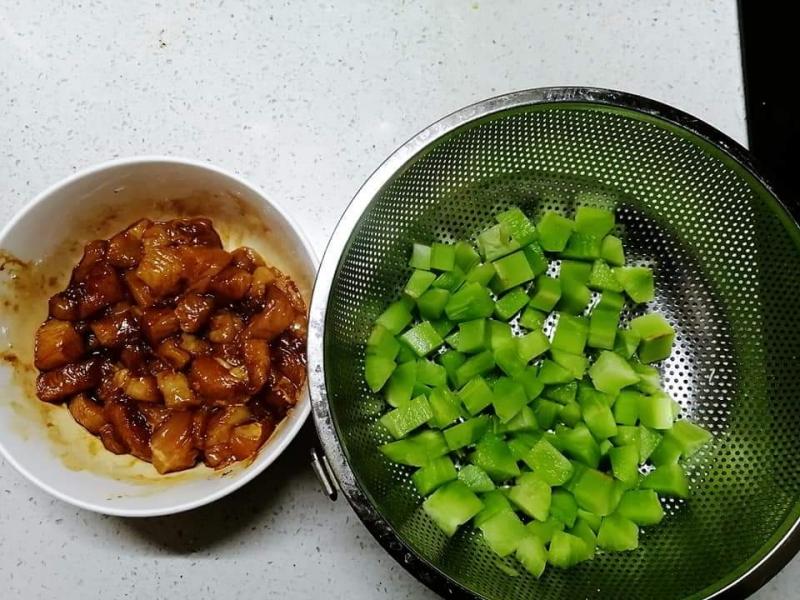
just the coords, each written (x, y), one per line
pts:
(746, 583)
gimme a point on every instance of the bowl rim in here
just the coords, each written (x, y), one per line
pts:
(274, 447)
(748, 576)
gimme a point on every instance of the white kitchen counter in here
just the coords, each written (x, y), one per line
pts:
(305, 99)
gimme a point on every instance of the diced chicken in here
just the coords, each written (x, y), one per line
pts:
(246, 258)
(133, 356)
(289, 356)
(159, 323)
(194, 345)
(222, 421)
(175, 389)
(171, 444)
(257, 361)
(64, 305)
(280, 396)
(142, 294)
(231, 284)
(130, 426)
(201, 265)
(125, 248)
(143, 388)
(212, 381)
(111, 440)
(57, 343)
(101, 287)
(93, 254)
(224, 327)
(193, 311)
(154, 414)
(161, 268)
(262, 279)
(115, 329)
(87, 412)
(199, 425)
(246, 439)
(66, 381)
(274, 319)
(172, 353)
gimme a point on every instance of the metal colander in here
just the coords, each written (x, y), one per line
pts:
(725, 253)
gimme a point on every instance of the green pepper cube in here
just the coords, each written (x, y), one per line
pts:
(443, 326)
(596, 492)
(690, 437)
(420, 257)
(584, 531)
(532, 554)
(554, 231)
(563, 507)
(481, 274)
(473, 335)
(566, 550)
(578, 443)
(648, 442)
(509, 361)
(551, 373)
(603, 328)
(591, 519)
(381, 342)
(454, 341)
(532, 319)
(669, 480)
(422, 338)
(451, 506)
(576, 364)
(405, 354)
(536, 258)
(611, 251)
(574, 296)
(417, 450)
(523, 421)
(610, 373)
(377, 370)
(530, 382)
(594, 221)
(451, 360)
(476, 395)
(471, 301)
(531, 345)
(618, 534)
(449, 280)
(544, 530)
(418, 283)
(431, 304)
(396, 317)
(656, 335)
(431, 373)
(602, 278)
(583, 246)
(466, 433)
(546, 412)
(445, 407)
(570, 414)
(598, 417)
(532, 495)
(550, 464)
(476, 479)
(433, 475)
(479, 364)
(443, 257)
(518, 225)
(500, 334)
(626, 342)
(511, 271)
(510, 304)
(575, 270)
(605, 447)
(494, 502)
(547, 292)
(637, 282)
(611, 301)
(494, 456)
(399, 388)
(625, 464)
(642, 507)
(406, 418)
(496, 242)
(626, 407)
(509, 398)
(465, 256)
(570, 333)
(503, 532)
(563, 393)
(667, 452)
(655, 411)
(649, 378)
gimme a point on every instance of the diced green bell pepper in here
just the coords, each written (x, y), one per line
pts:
(476, 395)
(473, 336)
(381, 342)
(500, 334)
(466, 433)
(574, 296)
(420, 257)
(431, 304)
(618, 534)
(509, 398)
(496, 242)
(530, 382)
(554, 231)
(594, 221)
(626, 342)
(431, 373)
(583, 246)
(479, 364)
(399, 389)
(451, 360)
(481, 274)
(406, 354)
(532, 495)
(584, 531)
(563, 507)
(667, 452)
(689, 437)
(575, 270)
(611, 301)
(509, 361)
(591, 519)
(518, 225)
(524, 420)
(667, 479)
(648, 441)
(445, 406)
(655, 411)
(611, 251)
(532, 319)
(649, 378)
(610, 373)
(443, 257)
(550, 464)
(570, 333)
(552, 373)
(536, 258)
(596, 492)
(433, 475)
(532, 554)
(642, 507)
(546, 412)
(417, 450)
(544, 530)
(603, 328)
(493, 456)
(476, 478)
(511, 271)
(579, 444)
(637, 282)
(494, 502)
(407, 417)
(443, 326)
(396, 317)
(576, 364)
(626, 407)
(531, 345)
(377, 370)
(470, 302)
(418, 283)
(564, 393)
(547, 292)
(451, 506)
(602, 278)
(422, 338)
(570, 414)
(566, 550)
(598, 417)
(449, 280)
(465, 256)
(503, 532)
(625, 464)
(510, 304)
(656, 336)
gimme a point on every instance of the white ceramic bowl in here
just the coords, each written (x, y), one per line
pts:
(43, 442)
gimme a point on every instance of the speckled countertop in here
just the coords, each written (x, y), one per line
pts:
(305, 99)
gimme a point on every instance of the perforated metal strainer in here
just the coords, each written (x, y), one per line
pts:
(725, 252)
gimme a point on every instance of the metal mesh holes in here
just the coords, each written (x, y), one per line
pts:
(725, 256)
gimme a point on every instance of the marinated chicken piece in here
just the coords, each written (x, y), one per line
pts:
(87, 412)
(193, 311)
(66, 381)
(169, 348)
(57, 343)
(171, 444)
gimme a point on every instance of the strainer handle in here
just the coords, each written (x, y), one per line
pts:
(322, 469)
